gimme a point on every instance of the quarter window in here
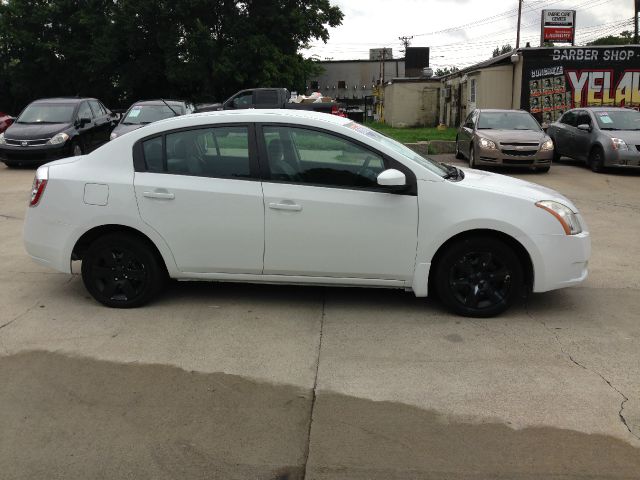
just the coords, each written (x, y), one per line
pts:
(313, 157)
(583, 118)
(569, 118)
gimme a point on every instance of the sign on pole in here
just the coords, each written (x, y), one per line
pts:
(558, 26)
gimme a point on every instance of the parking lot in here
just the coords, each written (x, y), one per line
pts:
(264, 382)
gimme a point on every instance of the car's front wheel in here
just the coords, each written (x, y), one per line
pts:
(479, 277)
(596, 160)
(472, 157)
(122, 271)
(459, 154)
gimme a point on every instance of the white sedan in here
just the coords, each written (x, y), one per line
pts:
(299, 198)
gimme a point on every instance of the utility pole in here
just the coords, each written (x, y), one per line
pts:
(520, 18)
(635, 19)
(406, 41)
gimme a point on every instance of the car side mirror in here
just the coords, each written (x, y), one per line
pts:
(81, 122)
(584, 127)
(392, 178)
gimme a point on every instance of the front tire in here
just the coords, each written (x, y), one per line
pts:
(459, 155)
(543, 169)
(596, 160)
(472, 157)
(479, 277)
(76, 149)
(121, 271)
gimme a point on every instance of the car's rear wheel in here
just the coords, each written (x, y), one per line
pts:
(596, 159)
(472, 157)
(479, 277)
(459, 154)
(122, 271)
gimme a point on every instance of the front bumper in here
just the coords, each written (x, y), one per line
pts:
(511, 157)
(623, 158)
(562, 260)
(16, 155)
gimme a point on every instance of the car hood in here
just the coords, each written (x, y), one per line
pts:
(512, 135)
(35, 131)
(513, 187)
(630, 137)
(121, 129)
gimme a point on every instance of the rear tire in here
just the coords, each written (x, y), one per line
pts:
(122, 271)
(596, 160)
(479, 277)
(459, 154)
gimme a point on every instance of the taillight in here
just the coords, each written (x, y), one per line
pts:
(334, 109)
(39, 184)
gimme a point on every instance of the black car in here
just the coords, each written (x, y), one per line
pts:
(148, 111)
(53, 128)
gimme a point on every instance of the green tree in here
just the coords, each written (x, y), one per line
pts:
(125, 50)
(501, 50)
(441, 72)
(625, 38)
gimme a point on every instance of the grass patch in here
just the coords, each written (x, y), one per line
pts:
(413, 134)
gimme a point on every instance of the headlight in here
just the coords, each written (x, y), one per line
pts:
(619, 144)
(567, 218)
(113, 135)
(58, 139)
(486, 143)
(546, 146)
(2, 140)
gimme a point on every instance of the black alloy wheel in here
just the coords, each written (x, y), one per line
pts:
(121, 271)
(479, 277)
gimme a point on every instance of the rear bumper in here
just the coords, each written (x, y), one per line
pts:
(48, 242)
(33, 155)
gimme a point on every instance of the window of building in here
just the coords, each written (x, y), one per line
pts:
(472, 90)
(342, 84)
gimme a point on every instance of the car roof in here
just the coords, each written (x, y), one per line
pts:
(500, 110)
(158, 102)
(261, 115)
(67, 100)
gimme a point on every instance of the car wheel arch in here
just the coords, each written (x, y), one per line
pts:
(520, 250)
(91, 235)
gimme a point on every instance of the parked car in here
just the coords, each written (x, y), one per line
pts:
(145, 112)
(268, 98)
(297, 197)
(600, 136)
(54, 128)
(504, 137)
(5, 121)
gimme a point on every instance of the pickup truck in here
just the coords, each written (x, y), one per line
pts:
(267, 98)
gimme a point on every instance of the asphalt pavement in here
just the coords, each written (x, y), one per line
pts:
(226, 381)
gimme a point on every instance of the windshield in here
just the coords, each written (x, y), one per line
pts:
(507, 121)
(399, 148)
(140, 114)
(618, 119)
(47, 113)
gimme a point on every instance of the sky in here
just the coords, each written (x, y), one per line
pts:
(459, 32)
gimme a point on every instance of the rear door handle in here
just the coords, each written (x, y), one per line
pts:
(292, 207)
(160, 195)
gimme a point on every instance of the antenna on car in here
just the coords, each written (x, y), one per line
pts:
(175, 114)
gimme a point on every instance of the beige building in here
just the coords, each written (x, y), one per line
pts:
(412, 102)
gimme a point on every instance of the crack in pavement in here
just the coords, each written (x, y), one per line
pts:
(315, 385)
(17, 317)
(625, 399)
(10, 217)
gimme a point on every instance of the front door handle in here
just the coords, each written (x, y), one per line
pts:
(292, 207)
(160, 195)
